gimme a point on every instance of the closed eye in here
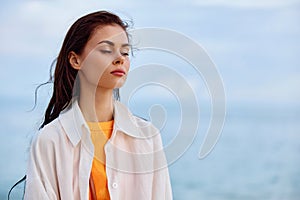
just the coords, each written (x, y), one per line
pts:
(125, 54)
(105, 51)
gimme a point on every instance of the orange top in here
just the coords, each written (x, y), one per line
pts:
(100, 133)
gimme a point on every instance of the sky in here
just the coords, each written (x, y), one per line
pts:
(254, 45)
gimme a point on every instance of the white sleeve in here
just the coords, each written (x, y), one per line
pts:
(161, 186)
(41, 175)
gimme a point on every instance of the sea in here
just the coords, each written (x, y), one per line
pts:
(257, 156)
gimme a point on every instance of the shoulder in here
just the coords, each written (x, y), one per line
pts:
(147, 130)
(142, 121)
(133, 125)
(48, 135)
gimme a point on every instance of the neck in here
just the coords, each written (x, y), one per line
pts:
(96, 105)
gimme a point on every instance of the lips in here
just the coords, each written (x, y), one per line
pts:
(118, 72)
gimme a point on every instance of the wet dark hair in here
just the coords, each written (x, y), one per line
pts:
(65, 86)
(65, 83)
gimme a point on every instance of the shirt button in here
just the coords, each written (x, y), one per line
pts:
(115, 185)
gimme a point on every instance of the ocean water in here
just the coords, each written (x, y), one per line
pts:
(256, 157)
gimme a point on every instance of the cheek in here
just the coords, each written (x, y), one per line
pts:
(127, 64)
(94, 66)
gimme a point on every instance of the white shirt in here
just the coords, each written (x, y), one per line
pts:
(62, 152)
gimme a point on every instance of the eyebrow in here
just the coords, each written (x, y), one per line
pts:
(113, 44)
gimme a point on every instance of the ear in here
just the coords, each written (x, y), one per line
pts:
(74, 60)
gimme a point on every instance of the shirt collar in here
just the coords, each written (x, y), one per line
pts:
(73, 121)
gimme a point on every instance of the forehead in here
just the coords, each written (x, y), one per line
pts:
(113, 33)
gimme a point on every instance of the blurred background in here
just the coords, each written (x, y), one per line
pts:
(255, 46)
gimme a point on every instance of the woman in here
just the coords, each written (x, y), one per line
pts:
(90, 146)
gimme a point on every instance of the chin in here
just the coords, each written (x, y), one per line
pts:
(119, 84)
(111, 87)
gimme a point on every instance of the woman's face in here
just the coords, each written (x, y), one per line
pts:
(104, 61)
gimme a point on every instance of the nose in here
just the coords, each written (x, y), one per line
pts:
(119, 60)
